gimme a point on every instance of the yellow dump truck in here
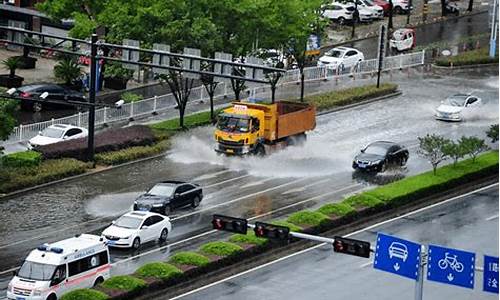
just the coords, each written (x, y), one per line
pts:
(256, 128)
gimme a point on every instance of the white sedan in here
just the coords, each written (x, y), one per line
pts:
(340, 58)
(57, 133)
(453, 107)
(137, 227)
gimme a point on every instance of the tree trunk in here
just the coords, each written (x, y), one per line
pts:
(302, 78)
(443, 8)
(12, 73)
(434, 167)
(471, 3)
(391, 7)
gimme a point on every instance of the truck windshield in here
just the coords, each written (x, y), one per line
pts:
(233, 124)
(36, 271)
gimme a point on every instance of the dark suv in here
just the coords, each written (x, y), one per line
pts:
(56, 92)
(166, 196)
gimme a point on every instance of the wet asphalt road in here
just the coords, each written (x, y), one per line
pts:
(273, 186)
(469, 223)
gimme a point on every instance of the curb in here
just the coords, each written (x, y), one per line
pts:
(113, 167)
(464, 67)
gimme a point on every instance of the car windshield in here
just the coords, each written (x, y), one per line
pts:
(36, 271)
(377, 150)
(457, 100)
(233, 124)
(369, 3)
(161, 190)
(335, 53)
(128, 222)
(52, 132)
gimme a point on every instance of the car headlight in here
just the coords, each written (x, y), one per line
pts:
(125, 238)
(37, 292)
(10, 288)
(376, 162)
(157, 205)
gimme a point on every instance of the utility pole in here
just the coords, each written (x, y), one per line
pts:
(494, 29)
(389, 25)
(410, 8)
(380, 53)
(355, 18)
(93, 77)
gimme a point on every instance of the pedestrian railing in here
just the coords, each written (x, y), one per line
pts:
(157, 104)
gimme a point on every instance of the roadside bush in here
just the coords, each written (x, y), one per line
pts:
(129, 97)
(84, 294)
(307, 218)
(362, 200)
(351, 95)
(193, 120)
(336, 209)
(248, 238)
(189, 258)
(125, 283)
(220, 248)
(474, 57)
(49, 170)
(158, 270)
(21, 159)
(128, 154)
(110, 140)
(291, 226)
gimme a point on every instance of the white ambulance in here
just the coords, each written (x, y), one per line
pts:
(52, 270)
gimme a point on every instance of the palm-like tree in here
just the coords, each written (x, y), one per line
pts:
(67, 70)
(11, 63)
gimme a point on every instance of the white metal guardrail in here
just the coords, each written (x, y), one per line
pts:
(156, 104)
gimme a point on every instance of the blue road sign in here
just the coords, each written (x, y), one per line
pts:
(398, 256)
(451, 266)
(490, 276)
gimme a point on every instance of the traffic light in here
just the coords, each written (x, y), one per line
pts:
(270, 231)
(351, 246)
(231, 224)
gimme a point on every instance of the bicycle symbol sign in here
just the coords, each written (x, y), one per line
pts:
(451, 266)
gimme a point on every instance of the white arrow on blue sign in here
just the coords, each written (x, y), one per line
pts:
(397, 256)
(490, 276)
(451, 266)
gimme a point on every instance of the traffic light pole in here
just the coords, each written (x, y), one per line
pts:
(93, 78)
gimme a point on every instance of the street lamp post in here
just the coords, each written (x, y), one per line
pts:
(93, 77)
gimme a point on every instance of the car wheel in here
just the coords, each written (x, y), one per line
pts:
(37, 107)
(383, 167)
(163, 235)
(195, 202)
(397, 10)
(98, 281)
(260, 150)
(404, 159)
(168, 210)
(136, 243)
(52, 297)
(341, 20)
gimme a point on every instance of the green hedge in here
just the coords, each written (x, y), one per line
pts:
(351, 95)
(307, 218)
(193, 120)
(129, 97)
(474, 57)
(17, 178)
(158, 270)
(220, 248)
(291, 226)
(336, 209)
(85, 294)
(125, 283)
(132, 153)
(362, 200)
(189, 258)
(248, 238)
(21, 159)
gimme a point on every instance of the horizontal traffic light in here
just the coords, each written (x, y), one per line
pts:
(351, 246)
(230, 224)
(270, 231)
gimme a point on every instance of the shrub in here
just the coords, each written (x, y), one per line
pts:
(248, 238)
(336, 209)
(363, 200)
(220, 248)
(50, 170)
(474, 57)
(116, 70)
(291, 226)
(158, 270)
(197, 119)
(110, 140)
(67, 70)
(189, 258)
(84, 294)
(22, 159)
(129, 97)
(351, 95)
(492, 133)
(128, 154)
(125, 283)
(307, 218)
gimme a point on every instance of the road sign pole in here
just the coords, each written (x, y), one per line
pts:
(494, 28)
(419, 284)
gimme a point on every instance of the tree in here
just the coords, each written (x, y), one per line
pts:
(11, 64)
(67, 71)
(7, 120)
(492, 133)
(238, 85)
(443, 8)
(473, 146)
(471, 3)
(454, 150)
(210, 85)
(432, 147)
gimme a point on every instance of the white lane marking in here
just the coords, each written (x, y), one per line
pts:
(210, 175)
(214, 230)
(492, 217)
(322, 244)
(9, 270)
(225, 181)
(250, 184)
(301, 189)
(366, 264)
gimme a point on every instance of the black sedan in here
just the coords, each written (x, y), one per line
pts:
(377, 156)
(55, 92)
(166, 196)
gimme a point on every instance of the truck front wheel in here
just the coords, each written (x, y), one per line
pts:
(260, 150)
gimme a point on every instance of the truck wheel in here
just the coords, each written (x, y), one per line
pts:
(297, 140)
(260, 150)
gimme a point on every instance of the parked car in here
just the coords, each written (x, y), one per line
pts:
(339, 12)
(451, 9)
(55, 92)
(340, 58)
(136, 228)
(403, 39)
(271, 57)
(452, 108)
(378, 11)
(386, 6)
(57, 133)
(400, 6)
(378, 156)
(166, 196)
